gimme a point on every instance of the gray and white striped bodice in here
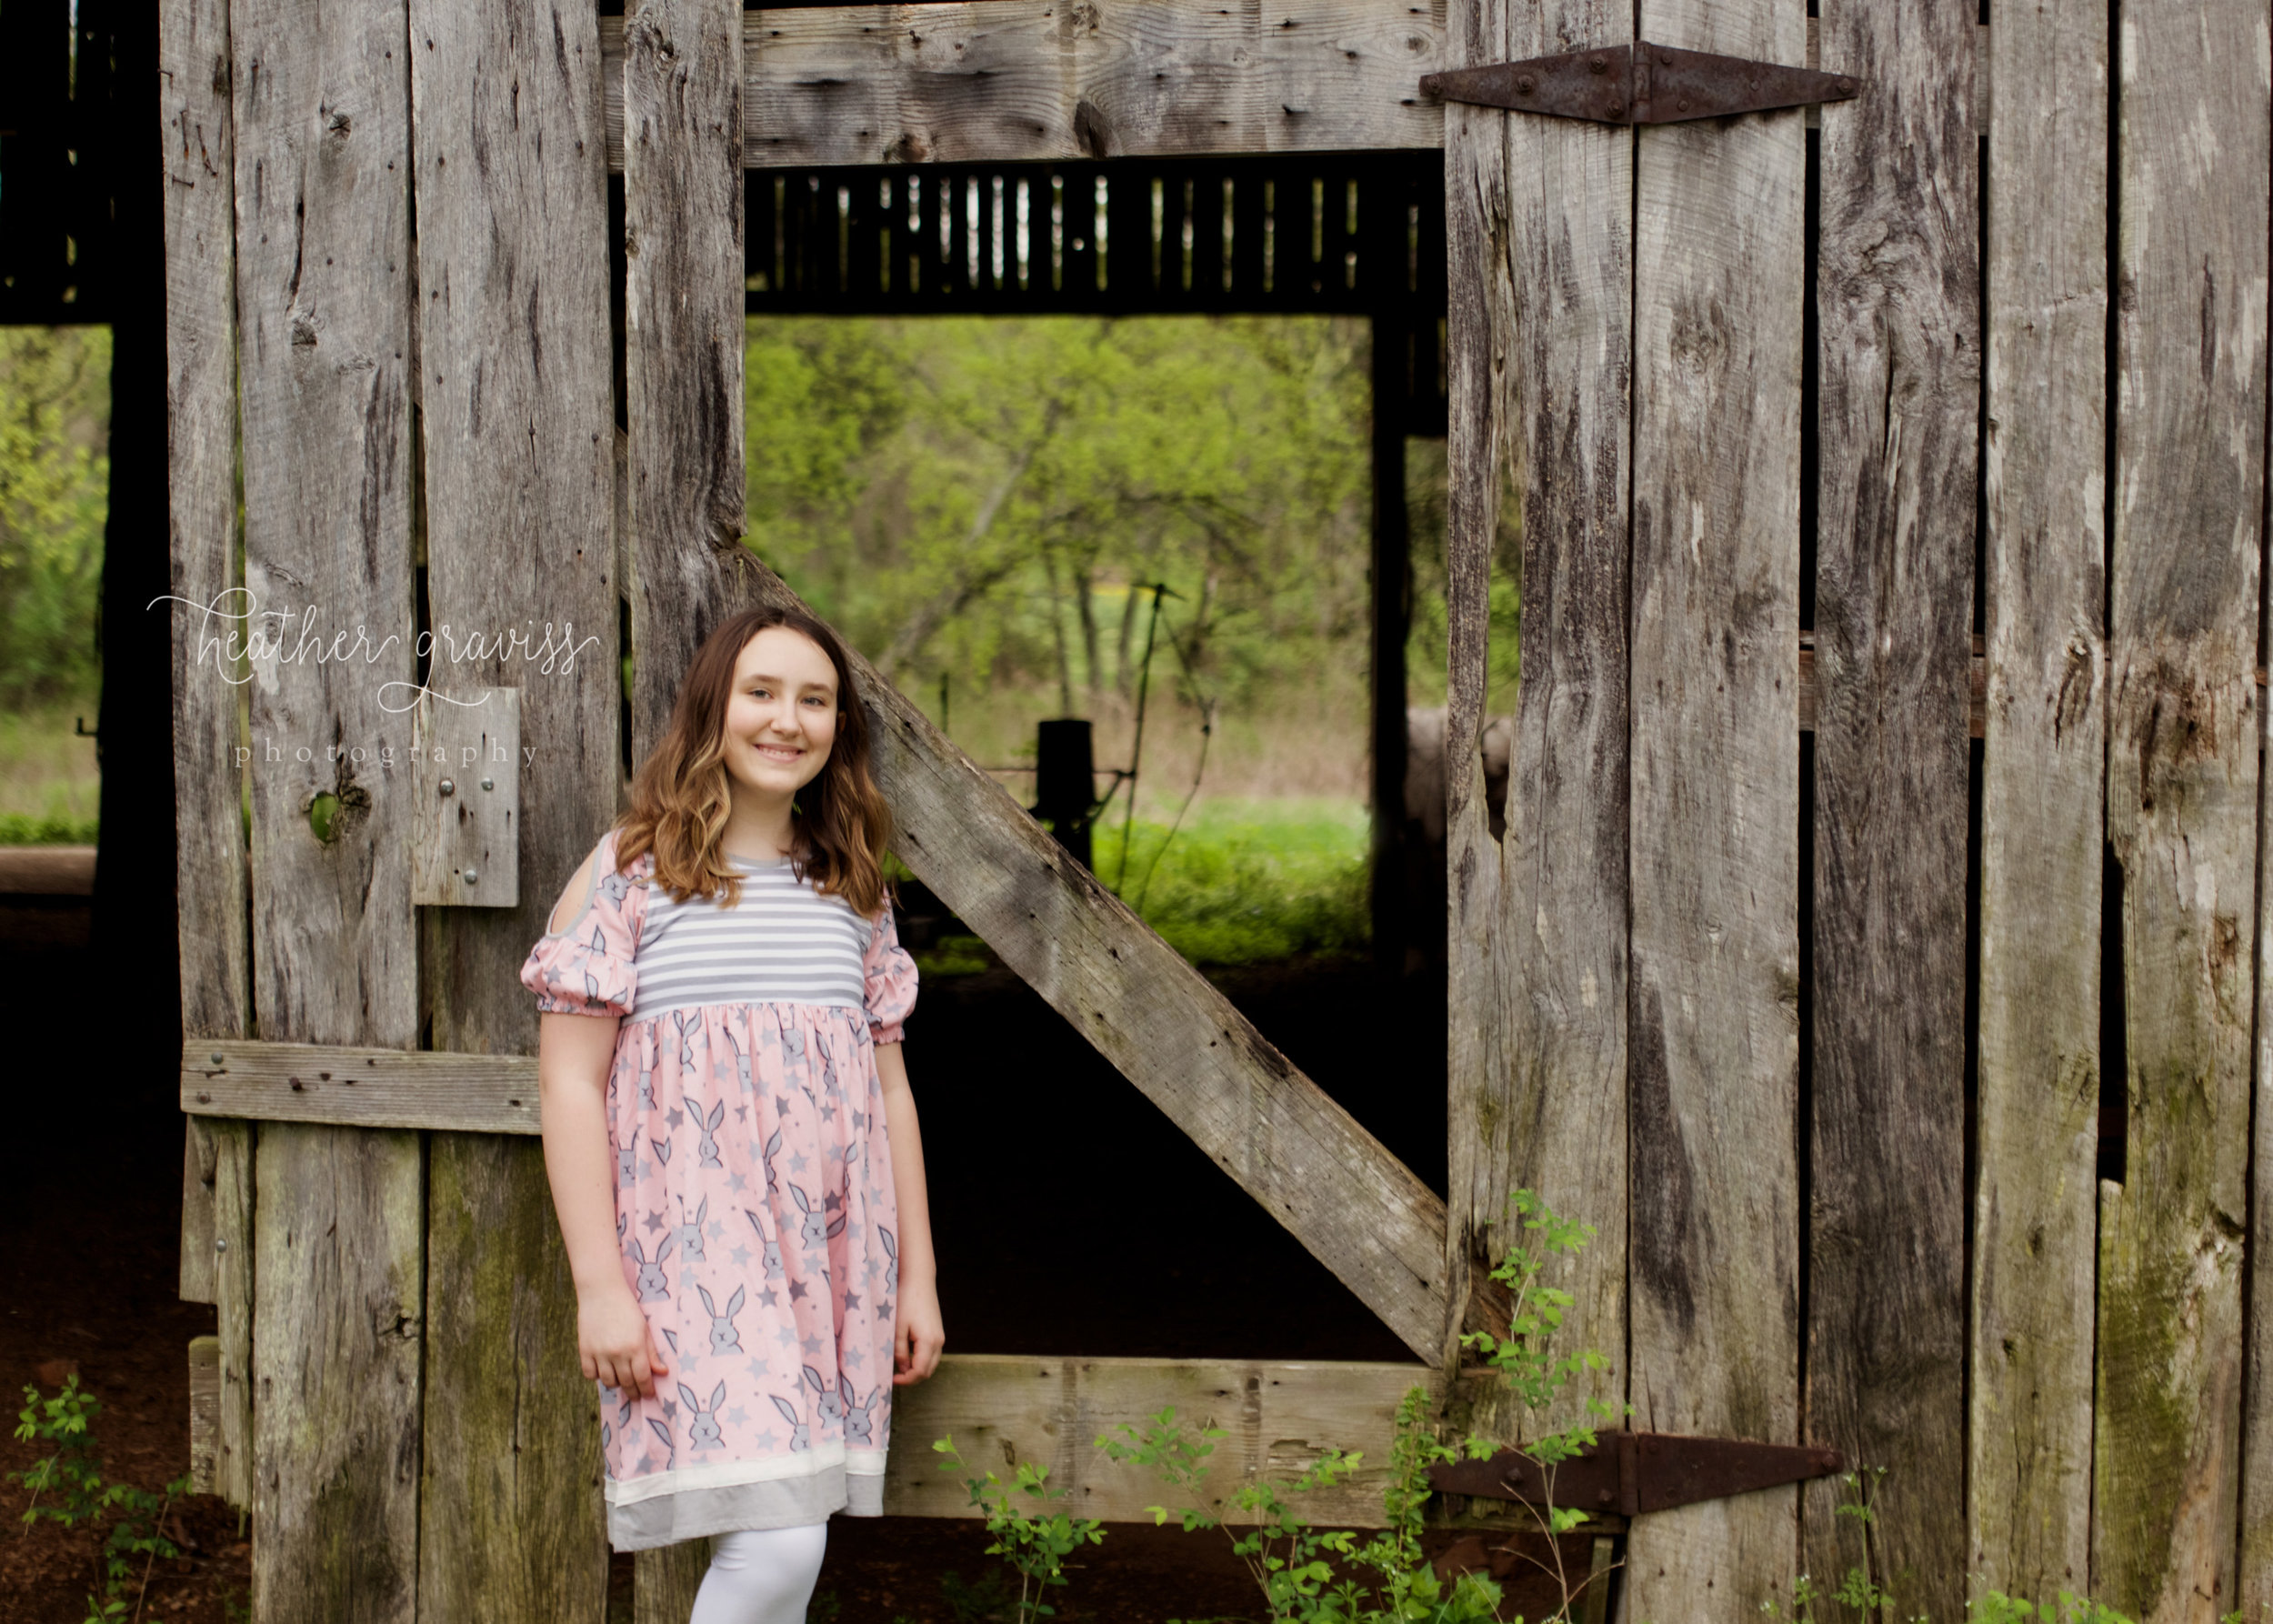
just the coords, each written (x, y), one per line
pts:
(783, 943)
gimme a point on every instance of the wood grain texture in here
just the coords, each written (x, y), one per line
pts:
(335, 1373)
(1715, 984)
(1010, 80)
(683, 340)
(2257, 1476)
(517, 413)
(234, 1144)
(2182, 794)
(512, 1524)
(2043, 804)
(1897, 279)
(321, 110)
(361, 1087)
(204, 1411)
(1281, 1418)
(201, 535)
(198, 1155)
(1539, 215)
(664, 1579)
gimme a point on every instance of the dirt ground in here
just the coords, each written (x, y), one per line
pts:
(1152, 1251)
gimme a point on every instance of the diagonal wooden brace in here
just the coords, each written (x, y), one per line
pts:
(1280, 1137)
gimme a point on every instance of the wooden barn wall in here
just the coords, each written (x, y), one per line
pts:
(1710, 991)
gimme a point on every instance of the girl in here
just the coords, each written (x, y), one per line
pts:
(728, 1132)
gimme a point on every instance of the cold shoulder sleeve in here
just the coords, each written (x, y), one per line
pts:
(590, 965)
(889, 974)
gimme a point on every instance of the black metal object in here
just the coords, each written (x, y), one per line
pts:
(1638, 83)
(1628, 1473)
(1065, 782)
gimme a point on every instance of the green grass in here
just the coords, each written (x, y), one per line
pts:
(49, 785)
(1241, 882)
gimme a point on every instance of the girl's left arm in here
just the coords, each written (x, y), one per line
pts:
(917, 1335)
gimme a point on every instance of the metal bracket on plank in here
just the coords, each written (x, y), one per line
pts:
(1638, 83)
(1628, 1473)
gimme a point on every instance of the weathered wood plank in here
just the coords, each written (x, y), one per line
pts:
(1016, 80)
(512, 1524)
(1540, 223)
(324, 294)
(198, 1214)
(2043, 797)
(664, 1579)
(1281, 1417)
(204, 1411)
(2182, 794)
(335, 1373)
(518, 415)
(361, 1087)
(1898, 281)
(234, 1145)
(201, 519)
(1714, 996)
(2256, 1471)
(683, 341)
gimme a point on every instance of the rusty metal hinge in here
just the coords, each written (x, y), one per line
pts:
(1628, 1473)
(1638, 83)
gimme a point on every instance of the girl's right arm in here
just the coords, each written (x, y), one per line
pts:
(574, 1056)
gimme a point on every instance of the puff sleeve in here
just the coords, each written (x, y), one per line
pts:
(889, 975)
(589, 967)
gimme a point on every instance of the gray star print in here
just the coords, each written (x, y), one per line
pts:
(674, 1117)
(654, 1221)
(811, 1345)
(741, 1256)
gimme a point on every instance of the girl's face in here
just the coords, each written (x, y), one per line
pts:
(781, 717)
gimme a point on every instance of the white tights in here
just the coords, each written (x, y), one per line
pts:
(761, 1576)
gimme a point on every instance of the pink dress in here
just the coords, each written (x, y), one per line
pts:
(754, 1195)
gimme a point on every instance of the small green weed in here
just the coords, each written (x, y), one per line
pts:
(1036, 1547)
(76, 1495)
(1289, 1558)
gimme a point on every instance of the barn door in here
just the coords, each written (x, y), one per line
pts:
(1628, 313)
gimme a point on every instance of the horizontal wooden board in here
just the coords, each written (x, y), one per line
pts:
(359, 1087)
(1002, 1408)
(1014, 81)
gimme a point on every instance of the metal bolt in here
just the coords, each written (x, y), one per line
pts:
(1524, 84)
(1595, 64)
(470, 876)
(489, 783)
(1847, 86)
(220, 1245)
(1684, 103)
(448, 788)
(1665, 59)
(218, 1060)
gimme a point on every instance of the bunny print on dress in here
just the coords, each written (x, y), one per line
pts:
(724, 1337)
(800, 1430)
(744, 1081)
(702, 1427)
(654, 1287)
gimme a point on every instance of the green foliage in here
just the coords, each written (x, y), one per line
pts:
(78, 1495)
(22, 828)
(55, 483)
(1390, 1581)
(1249, 884)
(981, 497)
(1036, 1547)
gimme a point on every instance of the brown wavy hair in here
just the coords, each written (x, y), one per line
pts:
(682, 794)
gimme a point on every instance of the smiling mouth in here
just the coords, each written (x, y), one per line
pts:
(778, 752)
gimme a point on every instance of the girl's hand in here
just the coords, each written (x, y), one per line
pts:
(916, 1336)
(615, 1344)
